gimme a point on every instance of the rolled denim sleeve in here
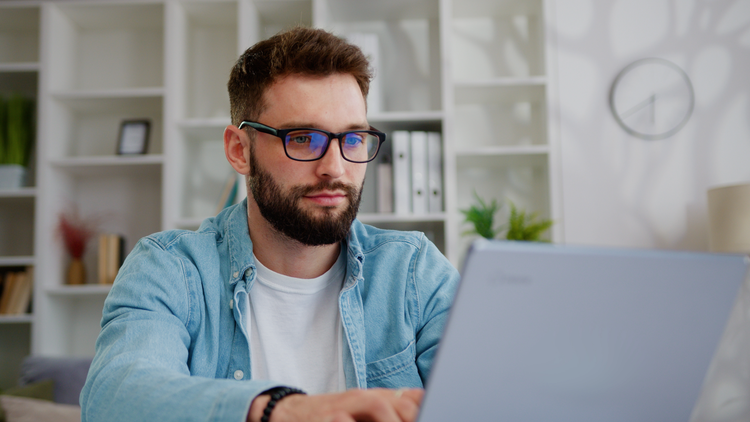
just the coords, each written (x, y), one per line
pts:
(142, 367)
(436, 282)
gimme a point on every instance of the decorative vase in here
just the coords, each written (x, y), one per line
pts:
(12, 176)
(76, 272)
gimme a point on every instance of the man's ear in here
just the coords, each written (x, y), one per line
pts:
(237, 148)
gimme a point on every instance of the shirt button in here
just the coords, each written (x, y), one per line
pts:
(238, 374)
(236, 274)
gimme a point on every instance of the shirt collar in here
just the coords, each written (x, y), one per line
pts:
(240, 246)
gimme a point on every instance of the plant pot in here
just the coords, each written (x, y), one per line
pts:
(12, 176)
(76, 272)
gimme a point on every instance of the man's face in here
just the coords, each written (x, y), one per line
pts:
(311, 202)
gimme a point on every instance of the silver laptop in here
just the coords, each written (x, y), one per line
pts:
(545, 333)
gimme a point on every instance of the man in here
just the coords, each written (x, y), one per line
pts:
(286, 289)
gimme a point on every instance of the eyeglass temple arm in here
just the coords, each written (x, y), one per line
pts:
(260, 127)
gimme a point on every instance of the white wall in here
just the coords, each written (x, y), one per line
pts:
(619, 190)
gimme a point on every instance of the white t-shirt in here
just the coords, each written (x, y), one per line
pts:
(295, 329)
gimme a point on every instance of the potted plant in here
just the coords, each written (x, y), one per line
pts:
(16, 138)
(520, 226)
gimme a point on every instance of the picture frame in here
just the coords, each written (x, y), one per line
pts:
(134, 136)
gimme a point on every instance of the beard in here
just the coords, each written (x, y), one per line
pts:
(282, 209)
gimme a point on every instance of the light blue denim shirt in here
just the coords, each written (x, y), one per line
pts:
(174, 341)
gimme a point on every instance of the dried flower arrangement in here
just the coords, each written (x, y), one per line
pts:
(76, 233)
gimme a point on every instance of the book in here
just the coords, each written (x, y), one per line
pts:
(401, 172)
(110, 258)
(114, 260)
(21, 298)
(419, 197)
(435, 172)
(9, 286)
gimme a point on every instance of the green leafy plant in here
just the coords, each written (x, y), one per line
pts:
(16, 130)
(482, 216)
(523, 226)
(520, 225)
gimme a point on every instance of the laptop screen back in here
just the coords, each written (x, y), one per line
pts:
(558, 333)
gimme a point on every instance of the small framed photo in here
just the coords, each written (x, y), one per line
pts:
(133, 137)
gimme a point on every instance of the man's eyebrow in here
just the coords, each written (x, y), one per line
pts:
(353, 126)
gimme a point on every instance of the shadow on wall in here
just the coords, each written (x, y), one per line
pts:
(620, 190)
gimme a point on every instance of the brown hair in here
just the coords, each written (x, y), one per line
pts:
(300, 50)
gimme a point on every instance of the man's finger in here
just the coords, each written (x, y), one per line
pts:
(406, 407)
(413, 394)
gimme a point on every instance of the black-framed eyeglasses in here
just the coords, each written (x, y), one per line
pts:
(309, 144)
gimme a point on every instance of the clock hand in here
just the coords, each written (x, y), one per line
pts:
(634, 109)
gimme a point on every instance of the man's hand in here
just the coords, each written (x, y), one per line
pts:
(356, 405)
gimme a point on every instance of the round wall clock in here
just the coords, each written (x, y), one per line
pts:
(652, 98)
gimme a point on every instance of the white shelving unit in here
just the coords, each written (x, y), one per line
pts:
(474, 70)
(19, 73)
(497, 120)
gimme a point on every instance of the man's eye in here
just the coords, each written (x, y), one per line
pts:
(300, 139)
(353, 139)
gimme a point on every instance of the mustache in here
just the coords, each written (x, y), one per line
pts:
(350, 190)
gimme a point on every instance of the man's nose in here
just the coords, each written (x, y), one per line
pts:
(331, 165)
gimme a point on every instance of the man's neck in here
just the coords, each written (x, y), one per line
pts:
(284, 255)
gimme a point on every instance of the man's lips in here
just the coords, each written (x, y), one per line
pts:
(327, 198)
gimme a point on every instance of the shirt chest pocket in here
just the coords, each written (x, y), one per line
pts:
(397, 371)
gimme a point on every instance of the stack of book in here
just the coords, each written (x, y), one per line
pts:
(15, 291)
(417, 185)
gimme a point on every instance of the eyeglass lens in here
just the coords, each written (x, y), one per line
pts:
(310, 145)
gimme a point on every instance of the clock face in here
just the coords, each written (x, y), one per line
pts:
(652, 98)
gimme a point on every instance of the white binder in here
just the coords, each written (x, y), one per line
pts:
(401, 172)
(419, 189)
(435, 172)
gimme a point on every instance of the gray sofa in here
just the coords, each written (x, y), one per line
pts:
(48, 390)
(68, 374)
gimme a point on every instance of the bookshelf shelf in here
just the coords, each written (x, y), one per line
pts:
(503, 151)
(109, 165)
(19, 67)
(17, 319)
(107, 94)
(406, 116)
(77, 291)
(16, 261)
(112, 160)
(472, 162)
(17, 193)
(502, 82)
(370, 218)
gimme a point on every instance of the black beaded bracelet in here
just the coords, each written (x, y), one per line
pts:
(277, 394)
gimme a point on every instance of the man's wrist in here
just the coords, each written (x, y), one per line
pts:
(263, 404)
(256, 407)
(276, 395)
